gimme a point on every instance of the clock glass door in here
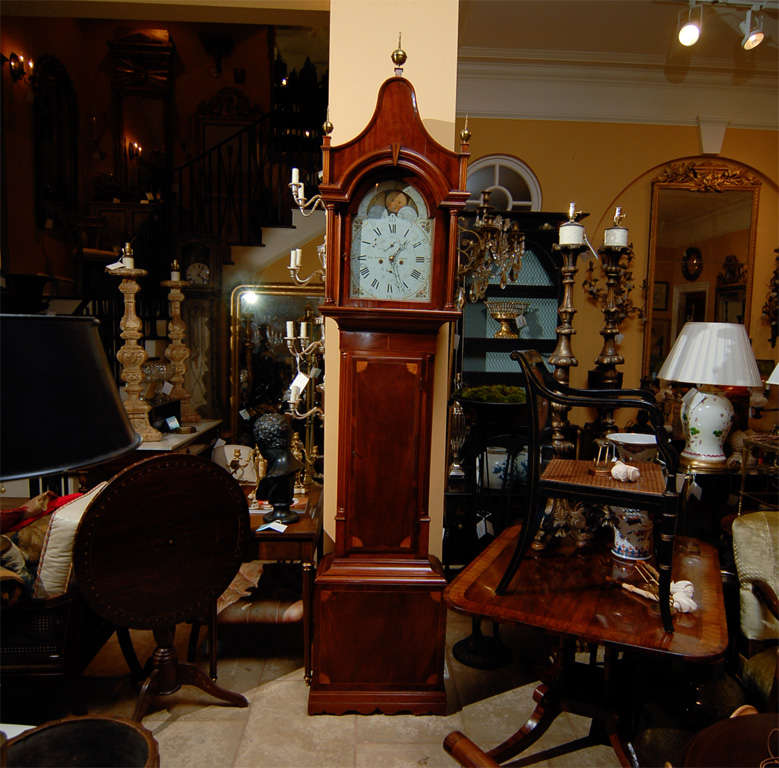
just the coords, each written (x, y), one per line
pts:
(391, 251)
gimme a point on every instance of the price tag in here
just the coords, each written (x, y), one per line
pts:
(490, 526)
(481, 529)
(167, 388)
(244, 414)
(274, 526)
(300, 381)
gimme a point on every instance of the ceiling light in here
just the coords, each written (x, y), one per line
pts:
(690, 30)
(752, 29)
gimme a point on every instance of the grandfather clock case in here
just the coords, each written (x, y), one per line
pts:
(392, 196)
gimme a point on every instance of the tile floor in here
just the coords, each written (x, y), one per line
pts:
(276, 731)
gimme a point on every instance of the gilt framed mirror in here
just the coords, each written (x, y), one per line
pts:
(262, 367)
(703, 226)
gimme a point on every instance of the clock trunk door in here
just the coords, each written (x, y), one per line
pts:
(388, 415)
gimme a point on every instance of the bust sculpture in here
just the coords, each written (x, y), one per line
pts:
(272, 433)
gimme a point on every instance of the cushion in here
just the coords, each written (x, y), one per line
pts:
(756, 552)
(55, 563)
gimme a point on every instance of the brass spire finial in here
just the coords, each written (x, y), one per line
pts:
(327, 126)
(619, 216)
(465, 133)
(399, 58)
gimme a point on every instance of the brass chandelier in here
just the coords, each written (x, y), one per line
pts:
(492, 246)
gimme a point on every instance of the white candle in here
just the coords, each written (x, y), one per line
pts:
(298, 256)
(295, 176)
(616, 236)
(292, 258)
(290, 329)
(571, 234)
(175, 275)
(304, 330)
(129, 262)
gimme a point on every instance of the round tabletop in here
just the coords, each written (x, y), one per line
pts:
(736, 742)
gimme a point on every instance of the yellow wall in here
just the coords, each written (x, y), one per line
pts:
(363, 34)
(601, 165)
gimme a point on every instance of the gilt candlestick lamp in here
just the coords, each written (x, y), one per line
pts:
(709, 356)
(59, 404)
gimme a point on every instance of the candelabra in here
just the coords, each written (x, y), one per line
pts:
(307, 208)
(492, 245)
(771, 306)
(308, 353)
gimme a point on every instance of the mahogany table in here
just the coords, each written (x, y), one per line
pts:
(578, 597)
(302, 542)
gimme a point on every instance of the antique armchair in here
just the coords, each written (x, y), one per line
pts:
(567, 478)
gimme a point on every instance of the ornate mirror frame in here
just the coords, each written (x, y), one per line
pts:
(285, 303)
(706, 176)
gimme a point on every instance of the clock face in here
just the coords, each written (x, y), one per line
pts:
(392, 245)
(198, 273)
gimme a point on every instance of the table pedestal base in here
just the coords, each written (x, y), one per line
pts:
(575, 687)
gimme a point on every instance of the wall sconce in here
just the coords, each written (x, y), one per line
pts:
(18, 66)
(134, 150)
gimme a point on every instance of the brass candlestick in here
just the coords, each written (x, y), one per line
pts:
(563, 358)
(178, 352)
(132, 355)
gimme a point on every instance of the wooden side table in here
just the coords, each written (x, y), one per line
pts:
(301, 541)
(578, 597)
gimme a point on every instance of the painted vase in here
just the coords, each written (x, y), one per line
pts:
(707, 417)
(632, 533)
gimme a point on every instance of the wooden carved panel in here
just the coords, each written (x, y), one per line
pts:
(387, 413)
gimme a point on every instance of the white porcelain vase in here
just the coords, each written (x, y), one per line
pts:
(707, 417)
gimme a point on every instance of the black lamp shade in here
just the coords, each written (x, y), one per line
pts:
(59, 405)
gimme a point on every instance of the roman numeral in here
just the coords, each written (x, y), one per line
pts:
(420, 259)
(377, 231)
(407, 231)
(405, 284)
(416, 245)
(389, 288)
(393, 227)
(364, 271)
(374, 283)
(416, 274)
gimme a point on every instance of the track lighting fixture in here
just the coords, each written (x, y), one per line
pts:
(752, 29)
(690, 28)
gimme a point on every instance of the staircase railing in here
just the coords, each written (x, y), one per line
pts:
(237, 187)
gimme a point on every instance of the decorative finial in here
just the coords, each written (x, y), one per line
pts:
(619, 215)
(327, 126)
(398, 58)
(465, 134)
(572, 211)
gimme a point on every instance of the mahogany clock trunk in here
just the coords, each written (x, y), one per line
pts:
(392, 195)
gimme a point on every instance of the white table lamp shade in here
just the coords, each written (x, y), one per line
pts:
(774, 377)
(712, 353)
(709, 355)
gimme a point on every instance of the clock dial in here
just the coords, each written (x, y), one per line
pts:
(392, 246)
(198, 273)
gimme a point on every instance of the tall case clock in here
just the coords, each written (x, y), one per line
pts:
(392, 196)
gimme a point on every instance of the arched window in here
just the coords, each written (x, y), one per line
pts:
(511, 183)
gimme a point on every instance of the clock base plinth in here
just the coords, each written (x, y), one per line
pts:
(380, 627)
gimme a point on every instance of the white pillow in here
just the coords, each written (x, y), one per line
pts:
(245, 471)
(56, 559)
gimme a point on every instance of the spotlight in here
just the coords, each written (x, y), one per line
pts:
(690, 31)
(752, 30)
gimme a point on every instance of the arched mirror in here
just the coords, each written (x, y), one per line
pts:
(701, 250)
